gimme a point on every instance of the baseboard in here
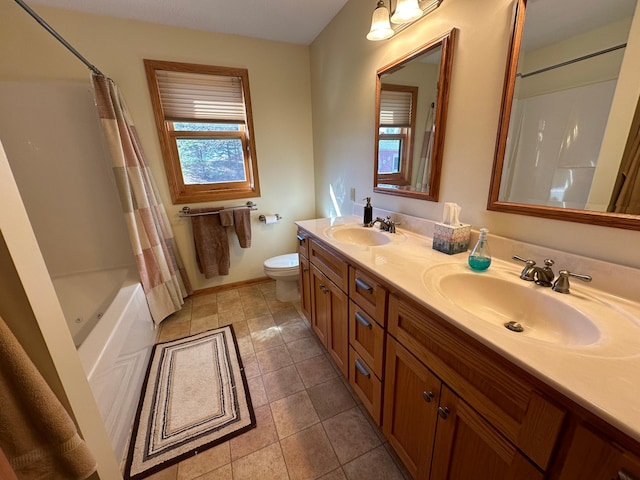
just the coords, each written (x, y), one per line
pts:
(230, 286)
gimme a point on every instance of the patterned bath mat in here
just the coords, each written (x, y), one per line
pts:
(195, 396)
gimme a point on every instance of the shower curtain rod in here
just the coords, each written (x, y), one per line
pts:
(569, 62)
(57, 36)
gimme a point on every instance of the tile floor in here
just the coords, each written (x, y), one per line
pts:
(310, 424)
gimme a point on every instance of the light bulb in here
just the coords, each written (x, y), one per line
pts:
(380, 26)
(406, 11)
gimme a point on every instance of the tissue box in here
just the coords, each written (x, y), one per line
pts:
(451, 239)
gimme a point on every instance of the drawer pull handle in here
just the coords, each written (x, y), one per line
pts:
(361, 368)
(624, 475)
(428, 396)
(444, 412)
(305, 269)
(364, 285)
(300, 239)
(363, 321)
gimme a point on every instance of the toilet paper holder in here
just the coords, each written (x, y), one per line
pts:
(263, 218)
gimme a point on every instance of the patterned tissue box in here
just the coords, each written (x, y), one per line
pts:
(451, 239)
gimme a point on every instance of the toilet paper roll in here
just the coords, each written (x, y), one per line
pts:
(269, 219)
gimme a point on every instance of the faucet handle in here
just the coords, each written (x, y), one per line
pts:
(527, 271)
(561, 285)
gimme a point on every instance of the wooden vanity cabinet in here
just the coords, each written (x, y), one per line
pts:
(367, 319)
(329, 317)
(412, 396)
(450, 407)
(305, 274)
(592, 455)
(329, 303)
(493, 410)
(305, 287)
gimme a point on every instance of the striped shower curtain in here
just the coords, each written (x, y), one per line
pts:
(162, 272)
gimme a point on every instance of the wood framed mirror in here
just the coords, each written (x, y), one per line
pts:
(570, 113)
(412, 94)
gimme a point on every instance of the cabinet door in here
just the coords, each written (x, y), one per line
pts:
(337, 310)
(411, 395)
(318, 310)
(468, 447)
(594, 456)
(305, 287)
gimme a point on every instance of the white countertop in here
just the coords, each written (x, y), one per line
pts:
(603, 377)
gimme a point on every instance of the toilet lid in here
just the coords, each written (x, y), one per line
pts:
(282, 261)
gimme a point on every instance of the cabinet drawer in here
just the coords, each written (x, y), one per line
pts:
(329, 263)
(366, 385)
(499, 393)
(303, 243)
(368, 294)
(367, 338)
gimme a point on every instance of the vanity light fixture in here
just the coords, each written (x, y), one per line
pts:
(380, 26)
(405, 13)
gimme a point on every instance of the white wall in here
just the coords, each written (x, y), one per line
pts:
(53, 139)
(343, 66)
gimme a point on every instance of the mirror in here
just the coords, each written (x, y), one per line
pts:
(567, 112)
(411, 109)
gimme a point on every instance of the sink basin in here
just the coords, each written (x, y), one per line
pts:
(358, 235)
(531, 312)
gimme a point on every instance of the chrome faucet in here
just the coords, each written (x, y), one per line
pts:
(387, 225)
(561, 285)
(542, 276)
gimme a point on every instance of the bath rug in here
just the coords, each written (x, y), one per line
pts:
(195, 396)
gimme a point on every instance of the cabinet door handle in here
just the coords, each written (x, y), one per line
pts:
(305, 269)
(428, 396)
(363, 321)
(364, 285)
(324, 289)
(444, 412)
(624, 475)
(362, 369)
(300, 239)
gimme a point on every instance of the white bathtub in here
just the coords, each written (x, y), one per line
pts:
(115, 335)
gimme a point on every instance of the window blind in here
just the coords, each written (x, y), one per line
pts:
(198, 97)
(395, 108)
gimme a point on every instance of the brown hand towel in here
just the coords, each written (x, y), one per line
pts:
(37, 435)
(211, 242)
(242, 222)
(6, 472)
(226, 218)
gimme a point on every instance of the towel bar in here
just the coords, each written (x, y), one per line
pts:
(186, 211)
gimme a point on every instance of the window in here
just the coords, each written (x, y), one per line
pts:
(203, 117)
(395, 135)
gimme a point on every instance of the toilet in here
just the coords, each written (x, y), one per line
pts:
(284, 270)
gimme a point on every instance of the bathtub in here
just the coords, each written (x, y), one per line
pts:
(113, 330)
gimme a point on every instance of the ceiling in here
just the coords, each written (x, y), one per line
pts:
(550, 21)
(291, 21)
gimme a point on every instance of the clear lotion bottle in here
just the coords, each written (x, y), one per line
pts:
(480, 257)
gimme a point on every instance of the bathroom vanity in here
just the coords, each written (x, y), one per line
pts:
(456, 394)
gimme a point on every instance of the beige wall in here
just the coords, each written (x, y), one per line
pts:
(343, 66)
(280, 93)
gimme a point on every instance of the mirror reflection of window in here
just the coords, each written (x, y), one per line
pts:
(395, 135)
(411, 98)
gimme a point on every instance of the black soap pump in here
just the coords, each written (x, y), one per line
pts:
(368, 212)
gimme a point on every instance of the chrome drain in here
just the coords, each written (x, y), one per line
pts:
(514, 326)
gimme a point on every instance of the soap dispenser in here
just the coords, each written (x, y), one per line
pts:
(480, 257)
(368, 212)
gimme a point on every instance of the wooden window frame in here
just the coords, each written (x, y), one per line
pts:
(407, 135)
(194, 193)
